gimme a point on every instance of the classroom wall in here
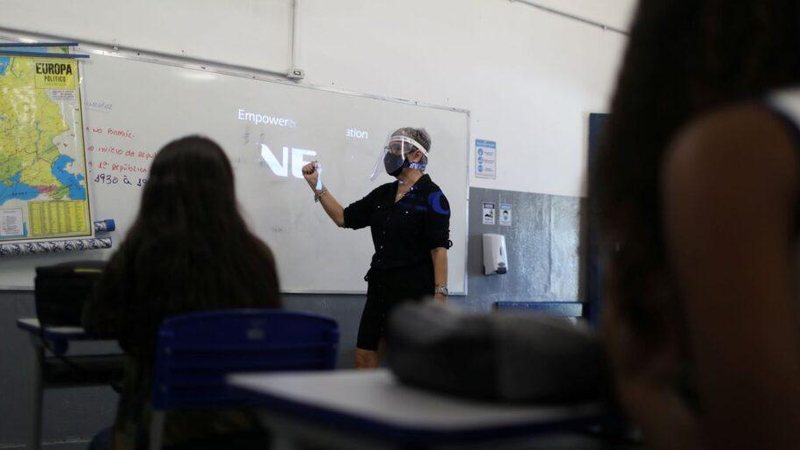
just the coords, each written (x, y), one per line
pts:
(611, 13)
(529, 78)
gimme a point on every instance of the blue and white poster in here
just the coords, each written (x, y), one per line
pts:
(485, 159)
(505, 214)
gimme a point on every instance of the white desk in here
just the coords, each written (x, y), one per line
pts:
(371, 410)
(54, 370)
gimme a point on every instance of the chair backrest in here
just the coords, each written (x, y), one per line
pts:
(561, 309)
(61, 290)
(195, 351)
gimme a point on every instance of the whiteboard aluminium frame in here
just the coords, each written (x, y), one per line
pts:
(98, 48)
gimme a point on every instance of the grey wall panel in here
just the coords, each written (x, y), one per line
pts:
(543, 244)
(565, 254)
(69, 413)
(345, 309)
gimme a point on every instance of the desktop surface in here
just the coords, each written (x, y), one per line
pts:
(375, 403)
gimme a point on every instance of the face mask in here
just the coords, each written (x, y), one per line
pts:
(394, 164)
(395, 156)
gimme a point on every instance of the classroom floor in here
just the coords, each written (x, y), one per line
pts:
(557, 442)
(71, 445)
(582, 442)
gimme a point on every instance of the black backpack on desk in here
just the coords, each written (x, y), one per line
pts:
(503, 356)
(62, 289)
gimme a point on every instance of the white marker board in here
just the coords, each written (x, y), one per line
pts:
(132, 108)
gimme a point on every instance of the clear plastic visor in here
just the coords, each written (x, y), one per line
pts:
(395, 153)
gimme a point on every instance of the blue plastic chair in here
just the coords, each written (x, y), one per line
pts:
(196, 351)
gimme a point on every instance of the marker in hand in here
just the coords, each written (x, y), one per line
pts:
(318, 168)
(311, 170)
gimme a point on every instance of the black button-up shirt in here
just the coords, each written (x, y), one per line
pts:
(404, 233)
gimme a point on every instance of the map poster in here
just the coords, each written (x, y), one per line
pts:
(43, 188)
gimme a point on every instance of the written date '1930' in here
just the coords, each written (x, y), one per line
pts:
(107, 178)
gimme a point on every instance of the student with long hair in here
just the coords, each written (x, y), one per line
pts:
(698, 186)
(189, 249)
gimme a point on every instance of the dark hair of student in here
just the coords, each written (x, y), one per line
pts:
(683, 58)
(189, 247)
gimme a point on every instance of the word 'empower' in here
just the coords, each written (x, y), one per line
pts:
(266, 119)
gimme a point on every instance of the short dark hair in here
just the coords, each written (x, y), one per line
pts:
(418, 134)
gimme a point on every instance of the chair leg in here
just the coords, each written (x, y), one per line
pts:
(38, 386)
(156, 430)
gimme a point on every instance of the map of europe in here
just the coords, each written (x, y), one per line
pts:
(42, 165)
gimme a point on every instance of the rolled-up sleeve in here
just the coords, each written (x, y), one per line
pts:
(437, 221)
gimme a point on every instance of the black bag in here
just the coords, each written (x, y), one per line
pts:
(62, 289)
(502, 356)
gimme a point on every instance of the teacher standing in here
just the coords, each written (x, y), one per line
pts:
(410, 224)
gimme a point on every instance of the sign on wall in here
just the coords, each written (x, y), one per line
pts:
(485, 159)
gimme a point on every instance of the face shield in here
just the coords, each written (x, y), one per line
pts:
(395, 156)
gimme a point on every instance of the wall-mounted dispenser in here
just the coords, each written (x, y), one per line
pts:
(494, 254)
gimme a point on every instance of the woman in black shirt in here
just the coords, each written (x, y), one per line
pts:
(410, 224)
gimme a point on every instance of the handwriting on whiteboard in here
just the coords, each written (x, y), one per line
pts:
(129, 152)
(115, 132)
(113, 159)
(99, 105)
(107, 178)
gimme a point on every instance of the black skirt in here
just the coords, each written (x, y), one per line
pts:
(387, 289)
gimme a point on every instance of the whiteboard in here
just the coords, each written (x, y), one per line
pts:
(133, 107)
